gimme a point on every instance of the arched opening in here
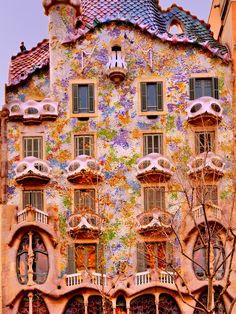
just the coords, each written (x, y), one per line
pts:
(200, 254)
(32, 259)
(168, 305)
(175, 27)
(220, 306)
(75, 305)
(121, 304)
(32, 303)
(143, 304)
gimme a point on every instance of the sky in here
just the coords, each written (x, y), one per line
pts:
(24, 20)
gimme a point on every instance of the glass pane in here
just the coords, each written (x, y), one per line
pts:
(91, 257)
(168, 305)
(80, 257)
(40, 267)
(83, 98)
(22, 268)
(151, 96)
(144, 304)
(199, 257)
(207, 87)
(75, 305)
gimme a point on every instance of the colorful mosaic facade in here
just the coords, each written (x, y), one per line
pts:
(115, 131)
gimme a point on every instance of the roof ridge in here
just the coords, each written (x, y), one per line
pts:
(31, 49)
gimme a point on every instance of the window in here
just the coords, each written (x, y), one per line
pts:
(154, 255)
(33, 198)
(204, 142)
(85, 200)
(200, 255)
(151, 96)
(32, 242)
(33, 303)
(84, 145)
(154, 197)
(200, 87)
(83, 98)
(32, 146)
(75, 305)
(207, 194)
(153, 143)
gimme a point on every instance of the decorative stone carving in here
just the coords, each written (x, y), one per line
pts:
(47, 4)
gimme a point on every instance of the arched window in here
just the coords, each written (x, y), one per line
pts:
(168, 305)
(220, 306)
(32, 259)
(175, 27)
(144, 304)
(32, 303)
(200, 264)
(75, 305)
(95, 305)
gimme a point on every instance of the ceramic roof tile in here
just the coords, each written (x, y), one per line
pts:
(25, 63)
(146, 14)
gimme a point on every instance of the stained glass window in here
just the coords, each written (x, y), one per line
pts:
(220, 307)
(40, 259)
(75, 305)
(144, 304)
(38, 305)
(168, 305)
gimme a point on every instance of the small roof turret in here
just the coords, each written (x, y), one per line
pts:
(47, 4)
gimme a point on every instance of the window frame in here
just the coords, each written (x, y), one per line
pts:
(162, 188)
(25, 138)
(149, 80)
(214, 86)
(206, 186)
(88, 135)
(152, 134)
(197, 145)
(84, 189)
(88, 114)
(33, 190)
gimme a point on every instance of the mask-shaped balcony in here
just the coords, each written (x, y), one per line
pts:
(84, 225)
(204, 111)
(116, 66)
(32, 170)
(84, 170)
(155, 223)
(32, 112)
(207, 165)
(154, 168)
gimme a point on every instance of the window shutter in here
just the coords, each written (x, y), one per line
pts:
(143, 87)
(75, 99)
(215, 87)
(100, 265)
(141, 257)
(169, 253)
(159, 96)
(91, 97)
(26, 198)
(71, 259)
(191, 88)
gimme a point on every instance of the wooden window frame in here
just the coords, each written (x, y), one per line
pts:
(76, 144)
(90, 83)
(162, 91)
(40, 146)
(212, 135)
(214, 86)
(152, 135)
(85, 189)
(162, 201)
(30, 191)
(199, 193)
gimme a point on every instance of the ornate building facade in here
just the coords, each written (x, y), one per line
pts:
(117, 164)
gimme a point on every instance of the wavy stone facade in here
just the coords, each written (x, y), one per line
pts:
(82, 198)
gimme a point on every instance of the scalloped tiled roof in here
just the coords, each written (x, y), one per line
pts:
(145, 14)
(27, 62)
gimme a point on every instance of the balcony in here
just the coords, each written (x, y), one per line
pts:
(32, 170)
(117, 67)
(84, 170)
(154, 168)
(32, 112)
(155, 223)
(204, 111)
(87, 279)
(84, 225)
(30, 214)
(144, 278)
(207, 165)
